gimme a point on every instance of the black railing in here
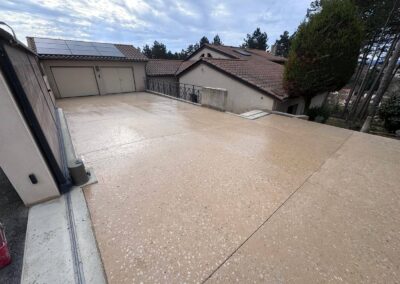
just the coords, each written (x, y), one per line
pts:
(185, 92)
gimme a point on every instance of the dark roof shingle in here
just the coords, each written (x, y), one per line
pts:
(162, 67)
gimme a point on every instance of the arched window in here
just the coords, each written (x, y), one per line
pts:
(209, 55)
(202, 55)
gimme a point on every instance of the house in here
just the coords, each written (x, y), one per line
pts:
(163, 69)
(80, 68)
(253, 78)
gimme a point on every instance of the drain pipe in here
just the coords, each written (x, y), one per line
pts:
(76, 167)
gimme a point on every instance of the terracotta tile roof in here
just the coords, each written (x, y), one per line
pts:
(162, 67)
(265, 76)
(235, 52)
(185, 65)
(130, 53)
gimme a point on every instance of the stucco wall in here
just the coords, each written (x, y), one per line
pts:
(139, 71)
(19, 154)
(241, 98)
(315, 101)
(206, 50)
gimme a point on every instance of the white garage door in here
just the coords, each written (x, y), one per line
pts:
(75, 81)
(117, 79)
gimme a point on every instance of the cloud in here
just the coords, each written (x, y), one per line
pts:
(175, 23)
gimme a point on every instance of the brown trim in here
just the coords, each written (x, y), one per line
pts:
(244, 82)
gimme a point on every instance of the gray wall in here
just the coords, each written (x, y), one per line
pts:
(240, 99)
(139, 71)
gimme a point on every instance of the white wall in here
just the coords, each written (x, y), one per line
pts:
(206, 50)
(241, 98)
(19, 154)
(139, 71)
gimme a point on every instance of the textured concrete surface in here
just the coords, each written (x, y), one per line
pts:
(60, 245)
(14, 216)
(188, 194)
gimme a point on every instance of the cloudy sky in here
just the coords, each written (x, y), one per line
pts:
(176, 23)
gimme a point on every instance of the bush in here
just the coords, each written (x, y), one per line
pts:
(390, 113)
(319, 114)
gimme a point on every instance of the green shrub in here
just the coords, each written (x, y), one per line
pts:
(390, 113)
(324, 52)
(319, 114)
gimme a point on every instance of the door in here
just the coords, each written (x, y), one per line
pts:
(75, 81)
(117, 80)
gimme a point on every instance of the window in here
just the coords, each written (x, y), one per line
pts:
(202, 55)
(292, 109)
(209, 55)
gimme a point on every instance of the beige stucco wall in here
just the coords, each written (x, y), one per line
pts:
(241, 98)
(206, 50)
(19, 154)
(315, 102)
(139, 71)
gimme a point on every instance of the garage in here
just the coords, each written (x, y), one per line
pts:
(118, 80)
(80, 68)
(75, 81)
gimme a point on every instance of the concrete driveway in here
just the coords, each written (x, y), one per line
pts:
(188, 194)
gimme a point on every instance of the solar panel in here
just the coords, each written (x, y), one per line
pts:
(71, 47)
(242, 52)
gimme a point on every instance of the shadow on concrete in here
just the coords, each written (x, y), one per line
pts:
(14, 216)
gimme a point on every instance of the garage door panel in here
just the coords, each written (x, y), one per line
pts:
(117, 80)
(75, 81)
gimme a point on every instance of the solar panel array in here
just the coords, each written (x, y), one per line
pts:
(242, 52)
(71, 47)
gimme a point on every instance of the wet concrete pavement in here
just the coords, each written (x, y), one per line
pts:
(188, 194)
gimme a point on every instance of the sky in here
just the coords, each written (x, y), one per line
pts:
(175, 23)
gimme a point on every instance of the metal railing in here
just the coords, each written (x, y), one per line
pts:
(185, 92)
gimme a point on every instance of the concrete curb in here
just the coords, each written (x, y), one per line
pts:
(49, 250)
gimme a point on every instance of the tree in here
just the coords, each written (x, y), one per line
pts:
(324, 53)
(390, 113)
(192, 48)
(147, 51)
(384, 84)
(257, 40)
(283, 45)
(217, 40)
(204, 40)
(380, 18)
(159, 50)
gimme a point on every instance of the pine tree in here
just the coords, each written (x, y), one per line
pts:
(217, 40)
(257, 40)
(283, 45)
(204, 40)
